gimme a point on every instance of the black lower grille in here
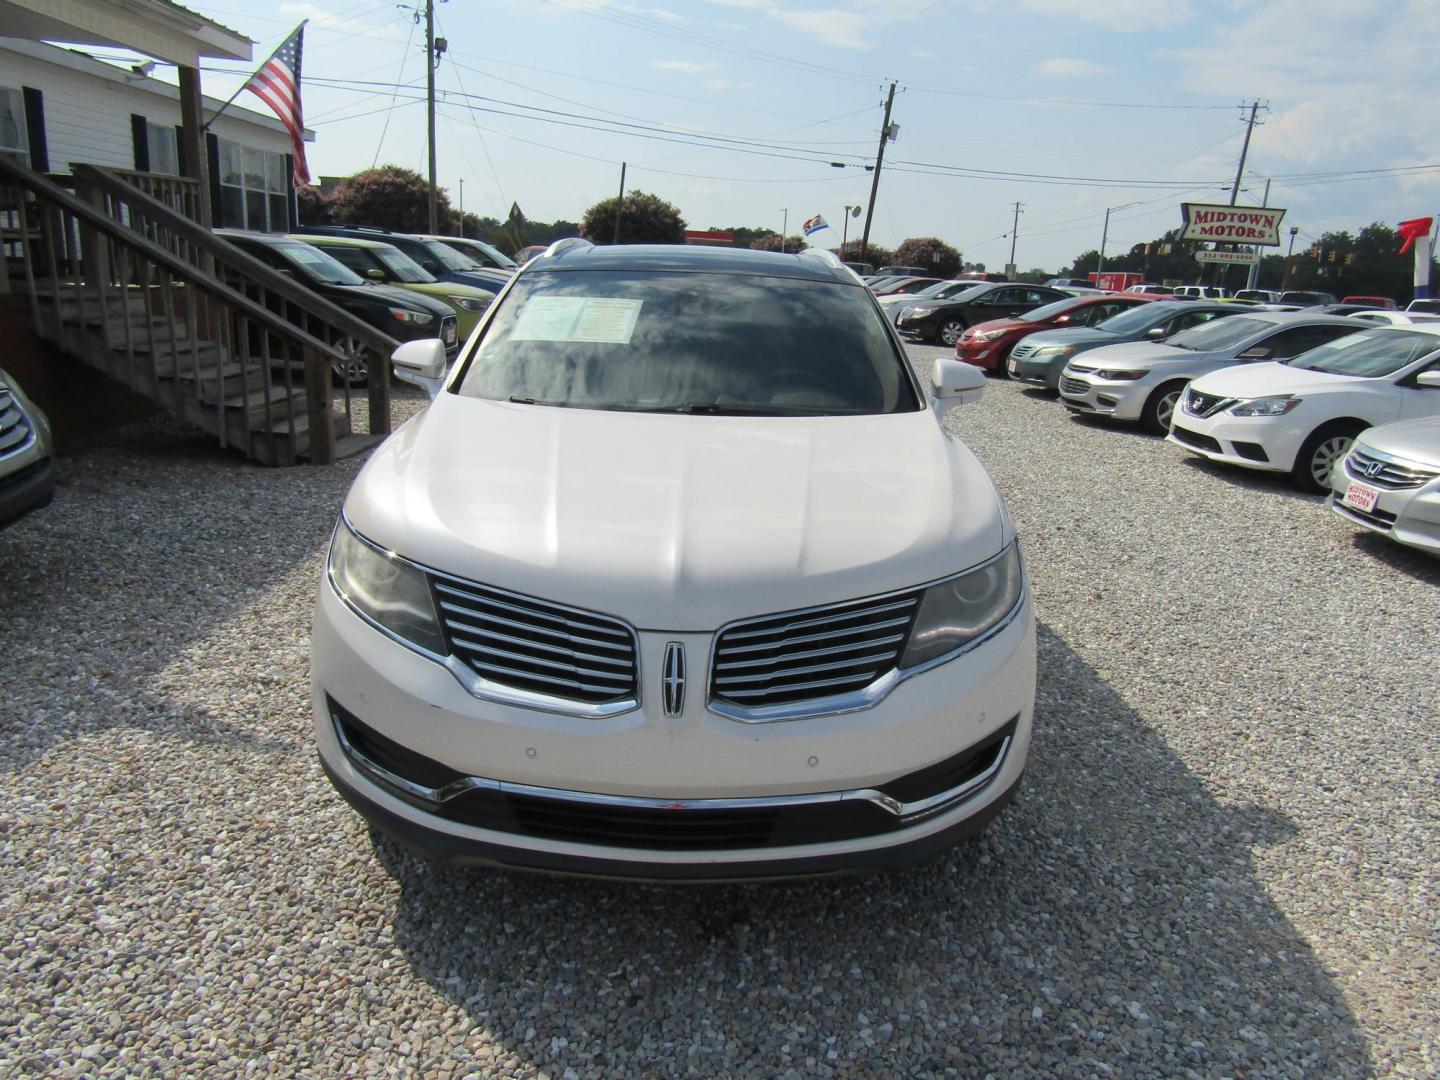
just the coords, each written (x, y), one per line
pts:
(1195, 439)
(672, 828)
(1073, 386)
(1253, 451)
(1381, 519)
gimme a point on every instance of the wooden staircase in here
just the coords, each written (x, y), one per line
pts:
(138, 291)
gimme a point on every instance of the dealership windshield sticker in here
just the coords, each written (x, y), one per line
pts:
(577, 318)
(1232, 224)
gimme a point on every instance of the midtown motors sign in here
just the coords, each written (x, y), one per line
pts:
(1232, 224)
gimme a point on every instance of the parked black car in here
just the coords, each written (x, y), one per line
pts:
(438, 258)
(946, 320)
(403, 315)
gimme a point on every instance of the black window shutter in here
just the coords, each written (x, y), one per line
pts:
(180, 150)
(35, 129)
(140, 137)
(212, 155)
(292, 205)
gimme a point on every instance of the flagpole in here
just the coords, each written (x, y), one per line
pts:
(231, 99)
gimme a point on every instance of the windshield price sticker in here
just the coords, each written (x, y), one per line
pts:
(578, 318)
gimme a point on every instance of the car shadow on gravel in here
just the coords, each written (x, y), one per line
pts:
(1110, 922)
(1406, 560)
(1276, 484)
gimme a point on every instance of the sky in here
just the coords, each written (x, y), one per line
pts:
(734, 109)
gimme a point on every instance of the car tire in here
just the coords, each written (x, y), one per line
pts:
(355, 368)
(1319, 455)
(950, 331)
(1160, 408)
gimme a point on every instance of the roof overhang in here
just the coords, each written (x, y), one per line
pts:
(155, 28)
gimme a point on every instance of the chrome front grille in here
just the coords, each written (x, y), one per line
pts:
(15, 429)
(1369, 467)
(1198, 404)
(808, 655)
(1079, 387)
(536, 646)
(1023, 350)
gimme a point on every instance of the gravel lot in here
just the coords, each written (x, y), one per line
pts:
(1223, 862)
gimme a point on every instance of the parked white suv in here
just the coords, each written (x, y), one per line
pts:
(1301, 417)
(679, 576)
(1143, 380)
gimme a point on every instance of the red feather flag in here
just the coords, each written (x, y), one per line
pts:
(1413, 230)
(277, 83)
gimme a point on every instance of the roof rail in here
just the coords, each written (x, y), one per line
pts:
(570, 243)
(830, 259)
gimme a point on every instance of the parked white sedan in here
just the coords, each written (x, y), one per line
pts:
(1390, 483)
(1302, 416)
(1143, 380)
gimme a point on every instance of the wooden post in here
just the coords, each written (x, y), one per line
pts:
(317, 403)
(379, 393)
(192, 136)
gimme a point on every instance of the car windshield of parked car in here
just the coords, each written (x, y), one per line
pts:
(315, 264)
(717, 344)
(964, 296)
(938, 289)
(1218, 334)
(449, 258)
(1368, 354)
(501, 259)
(403, 267)
(1140, 317)
(1049, 311)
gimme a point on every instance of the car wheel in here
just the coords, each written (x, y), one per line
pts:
(1160, 409)
(950, 331)
(1322, 452)
(353, 366)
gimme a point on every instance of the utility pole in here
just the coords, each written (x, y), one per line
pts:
(1244, 151)
(1015, 229)
(619, 205)
(1289, 255)
(461, 222)
(784, 227)
(430, 108)
(1254, 274)
(875, 181)
(845, 228)
(1104, 236)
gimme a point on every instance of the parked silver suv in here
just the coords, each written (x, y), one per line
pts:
(27, 474)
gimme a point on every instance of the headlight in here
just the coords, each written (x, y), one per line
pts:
(1277, 405)
(466, 303)
(1120, 375)
(419, 318)
(1055, 350)
(384, 589)
(964, 609)
(920, 309)
(989, 335)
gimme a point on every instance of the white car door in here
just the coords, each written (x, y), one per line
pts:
(1416, 401)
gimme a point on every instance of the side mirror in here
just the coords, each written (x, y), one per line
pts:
(1428, 379)
(1155, 333)
(421, 363)
(1059, 319)
(375, 274)
(1255, 352)
(955, 382)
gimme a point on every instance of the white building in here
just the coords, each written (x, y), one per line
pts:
(60, 107)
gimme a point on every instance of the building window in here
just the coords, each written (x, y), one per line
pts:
(254, 188)
(164, 148)
(12, 124)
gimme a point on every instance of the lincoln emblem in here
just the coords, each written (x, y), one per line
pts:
(673, 682)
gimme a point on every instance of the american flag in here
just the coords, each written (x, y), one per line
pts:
(277, 83)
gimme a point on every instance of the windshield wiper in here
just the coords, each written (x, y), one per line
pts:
(711, 408)
(520, 399)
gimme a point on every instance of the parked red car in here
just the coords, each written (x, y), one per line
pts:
(1381, 302)
(987, 344)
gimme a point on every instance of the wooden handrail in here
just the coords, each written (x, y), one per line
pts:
(245, 264)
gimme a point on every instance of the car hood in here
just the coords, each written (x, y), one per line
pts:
(1142, 354)
(1258, 380)
(1414, 440)
(401, 298)
(1087, 335)
(678, 522)
(998, 324)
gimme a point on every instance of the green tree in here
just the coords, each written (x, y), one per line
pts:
(930, 252)
(645, 219)
(771, 242)
(875, 255)
(313, 206)
(391, 197)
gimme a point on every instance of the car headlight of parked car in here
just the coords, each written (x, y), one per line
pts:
(386, 590)
(1051, 352)
(1276, 405)
(467, 303)
(989, 335)
(419, 318)
(1121, 374)
(962, 610)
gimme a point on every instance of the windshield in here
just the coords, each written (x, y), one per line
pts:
(1141, 317)
(448, 257)
(315, 264)
(1369, 353)
(404, 267)
(937, 289)
(1049, 311)
(649, 341)
(1218, 333)
(964, 296)
(501, 259)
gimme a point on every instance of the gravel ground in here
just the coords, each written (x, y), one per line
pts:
(1223, 862)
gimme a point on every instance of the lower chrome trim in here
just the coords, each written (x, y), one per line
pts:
(905, 812)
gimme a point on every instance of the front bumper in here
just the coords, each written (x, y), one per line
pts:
(1103, 397)
(26, 489)
(984, 354)
(1038, 371)
(1409, 516)
(512, 761)
(923, 328)
(1268, 443)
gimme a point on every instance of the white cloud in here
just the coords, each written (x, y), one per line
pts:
(843, 29)
(1131, 15)
(684, 67)
(325, 20)
(1061, 67)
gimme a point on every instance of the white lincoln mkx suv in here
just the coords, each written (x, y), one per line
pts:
(679, 576)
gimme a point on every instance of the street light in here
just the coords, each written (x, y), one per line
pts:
(1105, 235)
(784, 227)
